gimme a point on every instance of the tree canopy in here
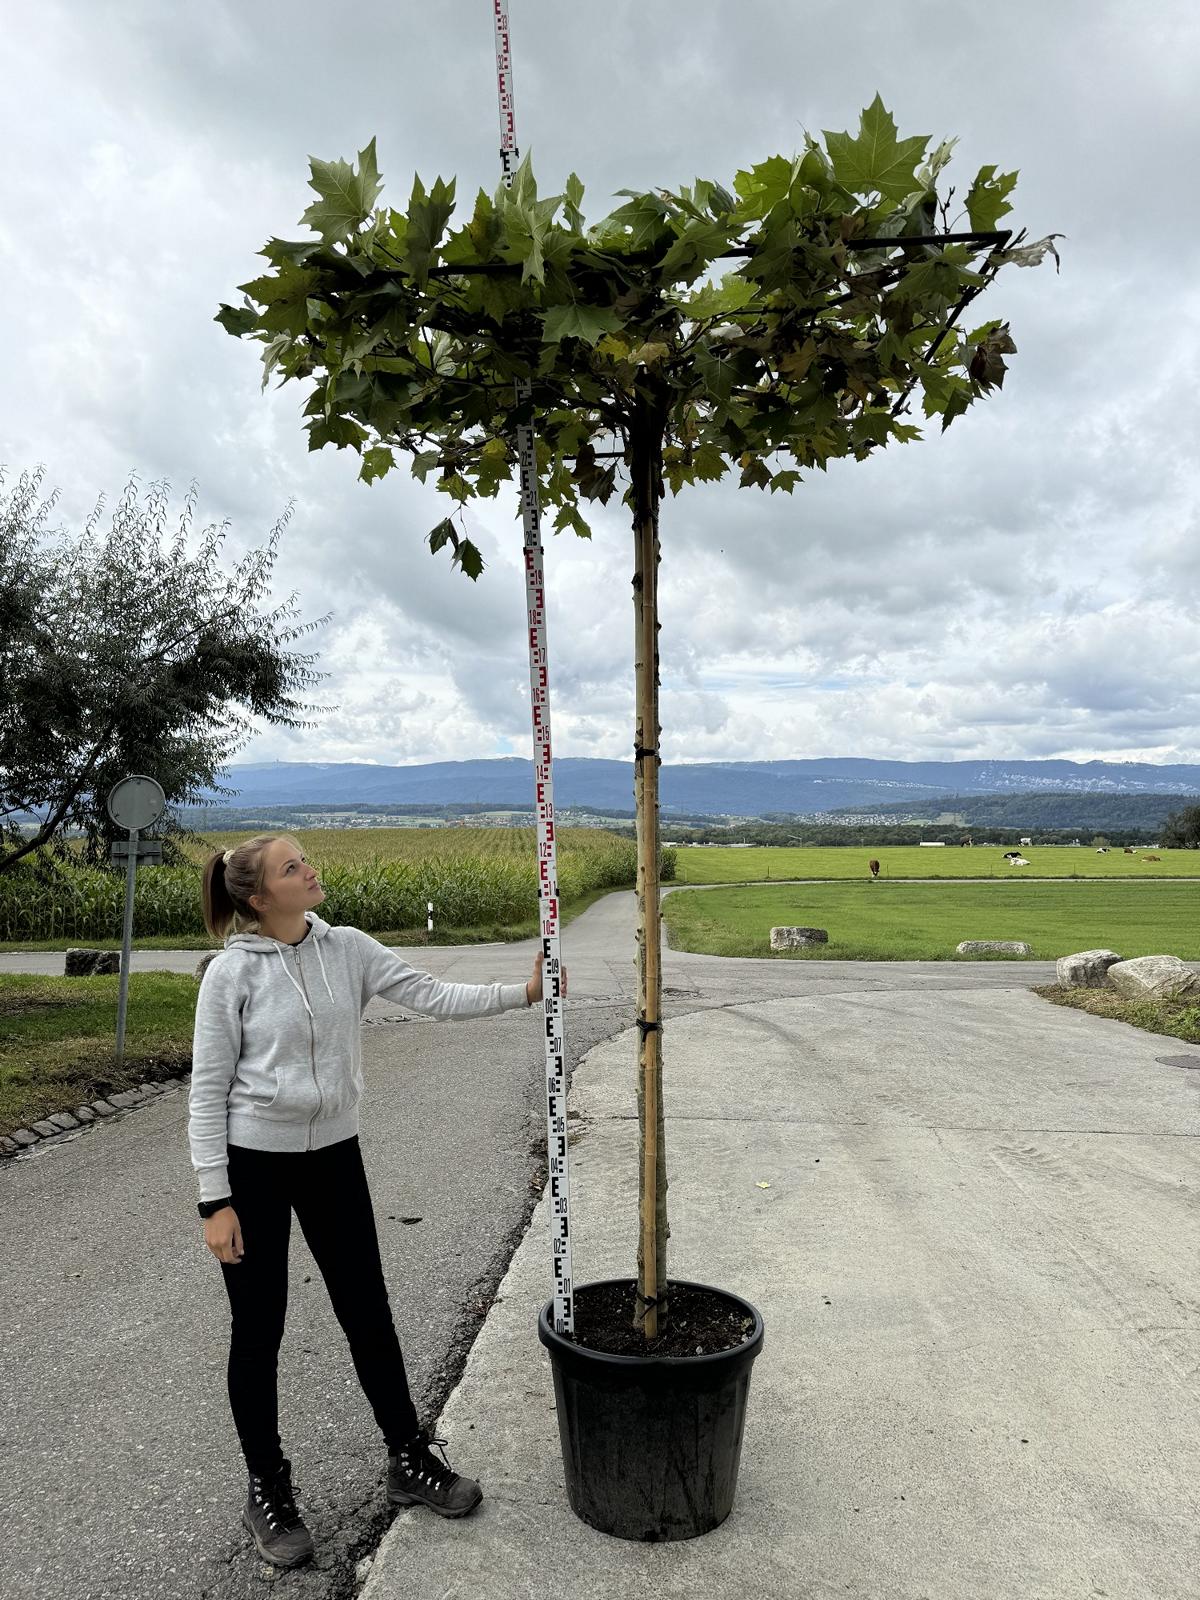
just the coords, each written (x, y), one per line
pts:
(628, 342)
(1181, 830)
(120, 653)
(832, 312)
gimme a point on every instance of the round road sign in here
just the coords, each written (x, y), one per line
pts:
(136, 802)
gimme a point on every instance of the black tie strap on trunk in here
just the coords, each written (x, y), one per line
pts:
(648, 1303)
(648, 1027)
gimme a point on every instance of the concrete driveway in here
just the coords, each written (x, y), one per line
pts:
(977, 1259)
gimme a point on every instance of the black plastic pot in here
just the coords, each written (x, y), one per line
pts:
(651, 1444)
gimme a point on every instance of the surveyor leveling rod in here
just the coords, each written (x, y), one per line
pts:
(539, 696)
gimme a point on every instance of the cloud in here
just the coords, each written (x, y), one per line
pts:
(1019, 586)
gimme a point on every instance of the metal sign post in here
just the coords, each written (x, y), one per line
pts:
(539, 693)
(135, 803)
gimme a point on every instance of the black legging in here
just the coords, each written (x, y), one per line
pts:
(328, 1189)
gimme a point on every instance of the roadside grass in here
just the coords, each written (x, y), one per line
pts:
(759, 864)
(908, 922)
(1174, 1017)
(58, 1039)
(58, 1035)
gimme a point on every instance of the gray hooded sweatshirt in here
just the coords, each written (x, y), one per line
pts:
(277, 1051)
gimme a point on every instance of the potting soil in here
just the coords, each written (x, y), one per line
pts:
(699, 1322)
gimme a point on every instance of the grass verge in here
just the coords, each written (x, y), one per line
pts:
(58, 1039)
(1174, 1017)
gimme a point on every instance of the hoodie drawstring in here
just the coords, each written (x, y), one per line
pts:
(295, 985)
(292, 981)
(328, 990)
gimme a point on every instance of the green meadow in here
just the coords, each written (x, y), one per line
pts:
(714, 864)
(890, 921)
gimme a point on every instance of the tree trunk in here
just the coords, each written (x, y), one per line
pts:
(646, 437)
(47, 829)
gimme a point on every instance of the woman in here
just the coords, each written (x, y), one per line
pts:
(273, 1127)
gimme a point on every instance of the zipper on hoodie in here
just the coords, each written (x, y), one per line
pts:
(312, 1044)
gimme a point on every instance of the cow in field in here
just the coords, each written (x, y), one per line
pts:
(874, 866)
(1151, 858)
(1102, 850)
(1128, 851)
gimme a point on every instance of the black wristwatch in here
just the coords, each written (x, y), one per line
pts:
(207, 1207)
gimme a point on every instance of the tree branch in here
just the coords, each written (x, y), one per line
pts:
(50, 825)
(969, 294)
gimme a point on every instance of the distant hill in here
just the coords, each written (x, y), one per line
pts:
(719, 788)
(1089, 813)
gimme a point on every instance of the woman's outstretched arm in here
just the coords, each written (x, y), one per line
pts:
(387, 975)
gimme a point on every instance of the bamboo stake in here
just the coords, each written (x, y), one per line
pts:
(646, 445)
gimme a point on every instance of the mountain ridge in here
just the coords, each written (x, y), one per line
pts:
(727, 788)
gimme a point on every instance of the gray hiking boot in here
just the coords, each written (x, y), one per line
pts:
(273, 1521)
(417, 1477)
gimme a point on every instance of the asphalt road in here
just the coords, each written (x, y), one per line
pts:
(120, 1474)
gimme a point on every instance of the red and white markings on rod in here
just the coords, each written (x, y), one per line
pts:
(539, 695)
(508, 112)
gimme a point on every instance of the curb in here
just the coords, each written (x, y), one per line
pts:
(59, 1122)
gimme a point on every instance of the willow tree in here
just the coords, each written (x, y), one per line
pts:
(760, 330)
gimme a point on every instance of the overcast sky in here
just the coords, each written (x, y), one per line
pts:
(1023, 586)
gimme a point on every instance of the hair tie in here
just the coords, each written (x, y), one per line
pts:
(226, 856)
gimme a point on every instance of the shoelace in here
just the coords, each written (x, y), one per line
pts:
(430, 1469)
(278, 1502)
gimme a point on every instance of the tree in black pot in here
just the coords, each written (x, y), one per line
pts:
(845, 278)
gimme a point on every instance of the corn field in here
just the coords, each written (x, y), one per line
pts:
(377, 879)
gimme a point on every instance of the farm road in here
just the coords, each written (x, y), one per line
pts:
(119, 1469)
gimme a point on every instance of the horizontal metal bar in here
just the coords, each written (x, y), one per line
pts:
(643, 257)
(1002, 236)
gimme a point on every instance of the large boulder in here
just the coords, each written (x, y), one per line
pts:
(797, 938)
(993, 947)
(1087, 969)
(1154, 978)
(92, 963)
